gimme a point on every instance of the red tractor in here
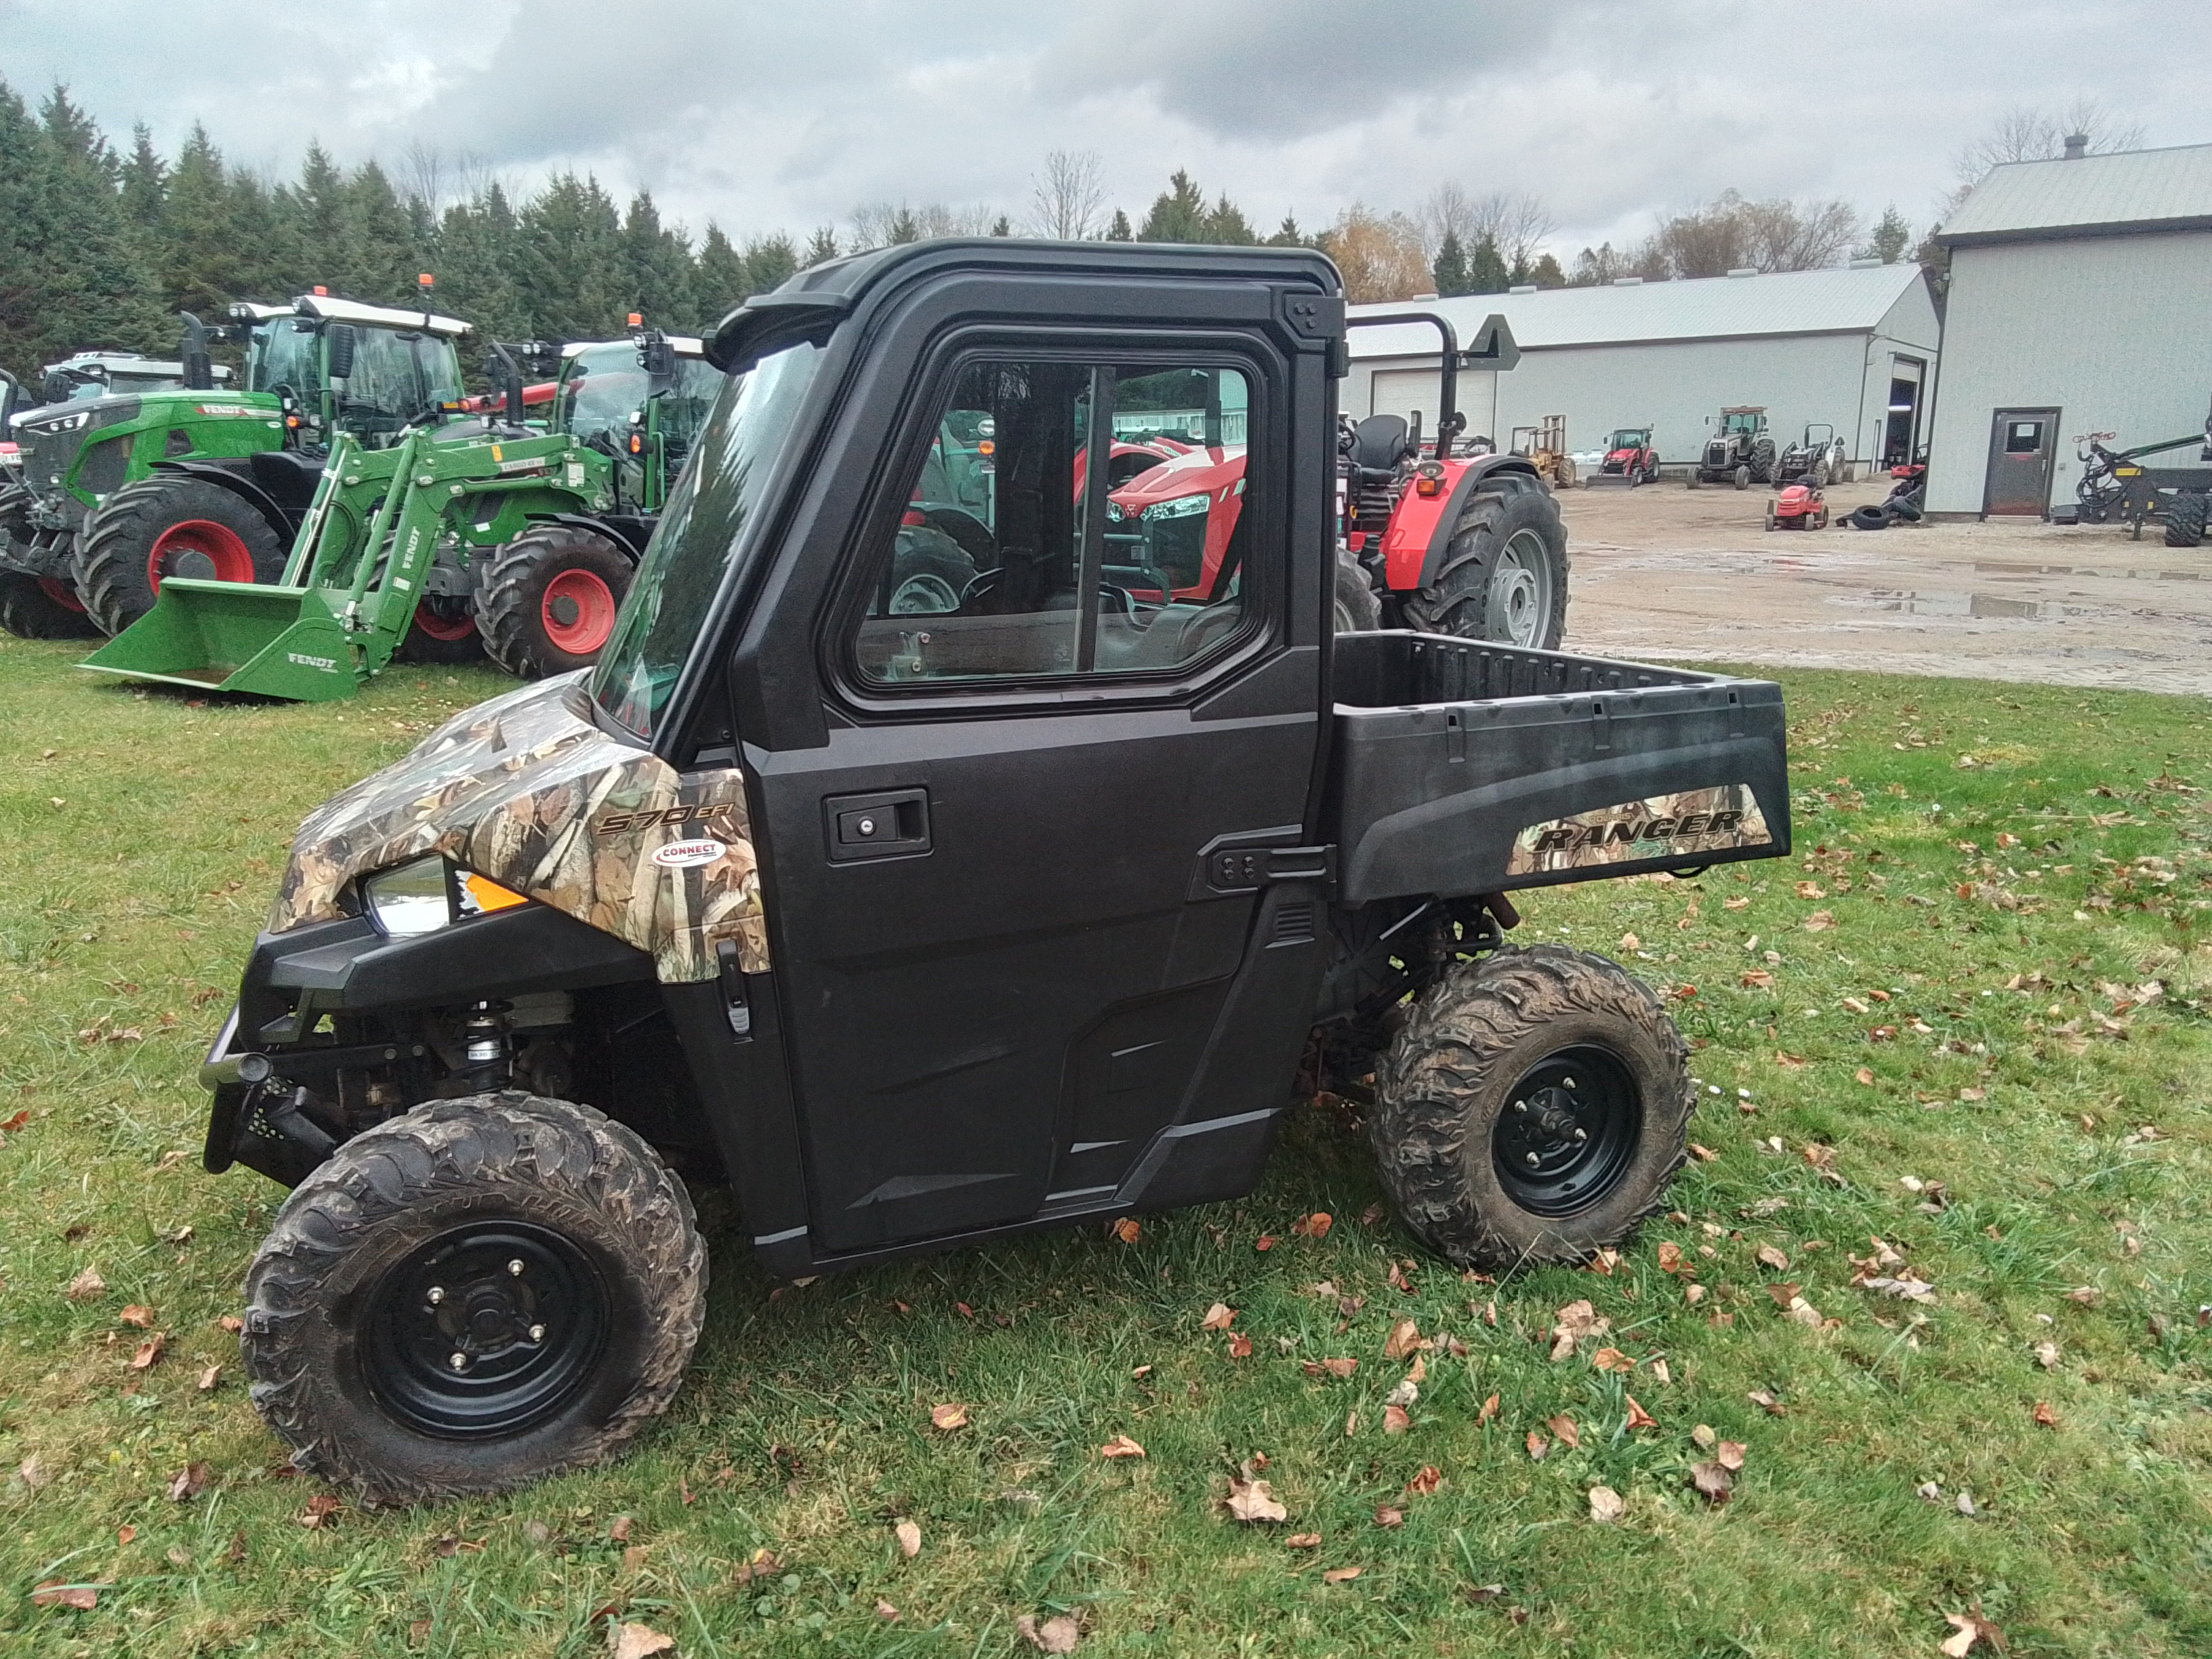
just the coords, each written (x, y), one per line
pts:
(1799, 506)
(1630, 459)
(1429, 535)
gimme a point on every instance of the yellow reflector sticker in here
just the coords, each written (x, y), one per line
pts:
(488, 895)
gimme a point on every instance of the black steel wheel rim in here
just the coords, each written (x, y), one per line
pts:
(1568, 1132)
(485, 1329)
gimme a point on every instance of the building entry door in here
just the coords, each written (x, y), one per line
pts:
(2023, 448)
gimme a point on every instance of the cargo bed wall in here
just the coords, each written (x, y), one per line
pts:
(1463, 767)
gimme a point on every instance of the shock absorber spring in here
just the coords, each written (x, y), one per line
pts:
(484, 1045)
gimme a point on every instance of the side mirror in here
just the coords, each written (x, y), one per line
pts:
(658, 357)
(56, 387)
(341, 338)
(199, 370)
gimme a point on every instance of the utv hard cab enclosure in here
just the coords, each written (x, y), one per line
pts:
(918, 930)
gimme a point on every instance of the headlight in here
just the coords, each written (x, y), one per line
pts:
(1183, 507)
(429, 893)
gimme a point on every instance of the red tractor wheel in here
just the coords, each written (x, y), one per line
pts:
(169, 526)
(444, 630)
(41, 608)
(548, 604)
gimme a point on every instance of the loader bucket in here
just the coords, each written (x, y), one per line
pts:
(236, 636)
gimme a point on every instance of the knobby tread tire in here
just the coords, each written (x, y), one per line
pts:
(1356, 601)
(509, 614)
(29, 613)
(1467, 1040)
(388, 1190)
(1458, 602)
(2185, 520)
(110, 563)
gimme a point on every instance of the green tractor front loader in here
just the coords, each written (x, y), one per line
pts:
(524, 537)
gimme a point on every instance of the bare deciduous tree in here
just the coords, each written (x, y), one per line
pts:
(1730, 233)
(1068, 196)
(439, 180)
(882, 224)
(1517, 222)
(2027, 133)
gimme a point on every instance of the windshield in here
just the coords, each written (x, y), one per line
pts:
(1739, 421)
(601, 387)
(282, 354)
(396, 375)
(1630, 437)
(700, 537)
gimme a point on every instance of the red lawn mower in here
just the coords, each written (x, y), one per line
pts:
(1799, 506)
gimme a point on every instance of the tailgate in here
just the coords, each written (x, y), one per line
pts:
(1460, 767)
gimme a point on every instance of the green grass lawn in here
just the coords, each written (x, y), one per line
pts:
(1968, 1018)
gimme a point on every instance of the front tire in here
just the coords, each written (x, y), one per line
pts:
(1532, 1108)
(1504, 578)
(2185, 520)
(548, 604)
(391, 1339)
(42, 608)
(443, 632)
(169, 526)
(1355, 610)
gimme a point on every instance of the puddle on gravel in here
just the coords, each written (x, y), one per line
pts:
(1994, 568)
(1958, 604)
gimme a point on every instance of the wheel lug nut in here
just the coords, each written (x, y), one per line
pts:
(434, 1295)
(1521, 1106)
(1566, 1083)
(459, 1362)
(1582, 1134)
(1533, 1160)
(514, 1265)
(536, 1332)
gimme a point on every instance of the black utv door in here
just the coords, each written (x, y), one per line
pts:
(1020, 932)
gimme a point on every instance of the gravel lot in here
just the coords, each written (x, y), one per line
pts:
(1672, 574)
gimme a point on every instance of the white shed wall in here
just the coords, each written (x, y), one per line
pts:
(2110, 331)
(1680, 386)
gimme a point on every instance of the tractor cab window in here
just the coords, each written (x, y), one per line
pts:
(600, 389)
(1739, 421)
(685, 405)
(1067, 519)
(283, 357)
(704, 534)
(398, 374)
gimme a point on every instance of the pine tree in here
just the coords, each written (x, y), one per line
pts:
(145, 181)
(1888, 240)
(1289, 235)
(380, 258)
(77, 275)
(657, 261)
(772, 261)
(476, 252)
(722, 281)
(1486, 269)
(1119, 231)
(822, 247)
(1225, 223)
(201, 262)
(317, 209)
(1004, 228)
(1178, 213)
(570, 270)
(1546, 273)
(1451, 269)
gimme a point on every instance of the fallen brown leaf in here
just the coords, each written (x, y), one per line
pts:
(1340, 1575)
(87, 1286)
(1637, 1417)
(1315, 1225)
(947, 1417)
(1218, 1317)
(1605, 1504)
(1612, 1359)
(1422, 1484)
(124, 1534)
(1058, 1634)
(1121, 1446)
(620, 1529)
(1671, 1258)
(1339, 1369)
(1728, 1454)
(1405, 1337)
(638, 1642)
(1254, 1500)
(1537, 1446)
(320, 1510)
(1303, 1541)
(55, 1594)
(2046, 1354)
(137, 1315)
(908, 1534)
(1396, 1419)
(1575, 1322)
(886, 1612)
(1489, 1409)
(1128, 1231)
(1713, 1482)
(148, 1352)
(190, 1481)
(1240, 1345)
(1766, 1400)
(1967, 1629)
(232, 1324)
(1565, 1428)
(1770, 1256)
(210, 1377)
(2045, 1415)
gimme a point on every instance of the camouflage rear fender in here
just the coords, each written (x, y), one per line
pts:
(528, 791)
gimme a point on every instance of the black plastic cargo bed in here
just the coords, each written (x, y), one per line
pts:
(1464, 767)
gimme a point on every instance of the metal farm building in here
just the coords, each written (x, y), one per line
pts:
(2081, 301)
(1852, 347)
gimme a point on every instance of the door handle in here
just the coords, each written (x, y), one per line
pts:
(888, 825)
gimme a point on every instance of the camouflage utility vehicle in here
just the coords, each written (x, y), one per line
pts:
(923, 928)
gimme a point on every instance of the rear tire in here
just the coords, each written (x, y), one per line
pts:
(564, 1363)
(930, 573)
(1742, 476)
(41, 608)
(548, 602)
(1587, 1047)
(1504, 578)
(1869, 517)
(443, 631)
(169, 525)
(2185, 520)
(1355, 608)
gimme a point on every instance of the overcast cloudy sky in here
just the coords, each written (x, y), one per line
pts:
(787, 116)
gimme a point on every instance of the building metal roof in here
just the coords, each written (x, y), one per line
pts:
(1851, 299)
(2132, 190)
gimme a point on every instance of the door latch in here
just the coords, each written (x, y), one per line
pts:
(891, 824)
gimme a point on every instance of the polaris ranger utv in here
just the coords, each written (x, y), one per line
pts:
(918, 930)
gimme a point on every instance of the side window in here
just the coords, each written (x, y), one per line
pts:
(1068, 518)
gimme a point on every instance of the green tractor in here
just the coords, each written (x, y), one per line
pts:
(215, 487)
(46, 433)
(519, 538)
